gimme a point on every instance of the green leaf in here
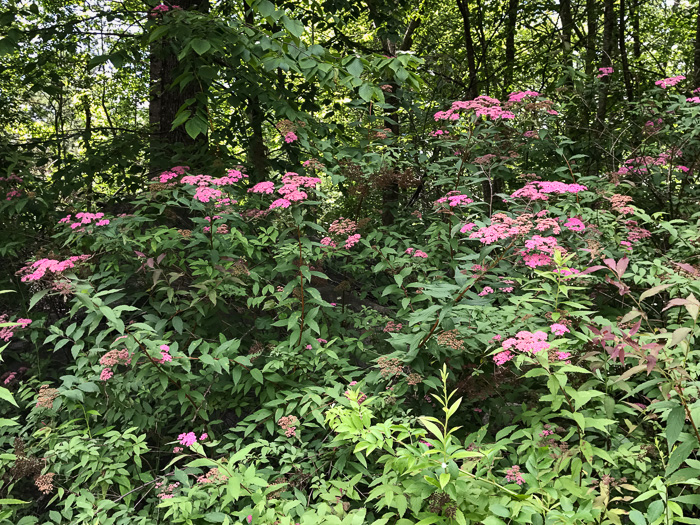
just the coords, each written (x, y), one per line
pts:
(7, 396)
(355, 67)
(366, 92)
(637, 517)
(655, 510)
(295, 27)
(201, 46)
(215, 517)
(674, 425)
(257, 375)
(13, 502)
(679, 455)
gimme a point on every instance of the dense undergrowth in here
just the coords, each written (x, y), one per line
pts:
(505, 338)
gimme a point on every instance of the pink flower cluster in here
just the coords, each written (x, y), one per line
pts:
(605, 71)
(668, 82)
(165, 354)
(339, 227)
(504, 227)
(6, 332)
(38, 269)
(289, 425)
(83, 219)
(190, 438)
(162, 9)
(111, 359)
(530, 342)
(290, 190)
(167, 491)
(391, 327)
(559, 329)
(540, 190)
(205, 193)
(177, 171)
(290, 137)
(518, 96)
(416, 253)
(575, 225)
(454, 198)
(539, 251)
(482, 105)
(439, 133)
(487, 290)
(513, 475)
(342, 226)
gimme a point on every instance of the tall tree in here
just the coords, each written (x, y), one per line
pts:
(167, 97)
(608, 30)
(511, 27)
(473, 87)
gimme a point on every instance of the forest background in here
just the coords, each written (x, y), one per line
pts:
(387, 262)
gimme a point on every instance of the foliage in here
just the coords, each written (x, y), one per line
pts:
(472, 311)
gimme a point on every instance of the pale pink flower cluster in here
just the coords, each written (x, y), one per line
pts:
(391, 327)
(289, 425)
(38, 269)
(467, 227)
(454, 198)
(668, 82)
(487, 290)
(167, 491)
(563, 356)
(696, 100)
(640, 165)
(559, 329)
(504, 227)
(111, 359)
(339, 227)
(566, 272)
(518, 96)
(530, 342)
(6, 332)
(605, 71)
(213, 476)
(514, 476)
(439, 133)
(540, 190)
(290, 137)
(635, 232)
(342, 226)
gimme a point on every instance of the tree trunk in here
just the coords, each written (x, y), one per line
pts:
(567, 25)
(473, 89)
(608, 28)
(623, 55)
(390, 194)
(171, 145)
(511, 23)
(696, 61)
(591, 30)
